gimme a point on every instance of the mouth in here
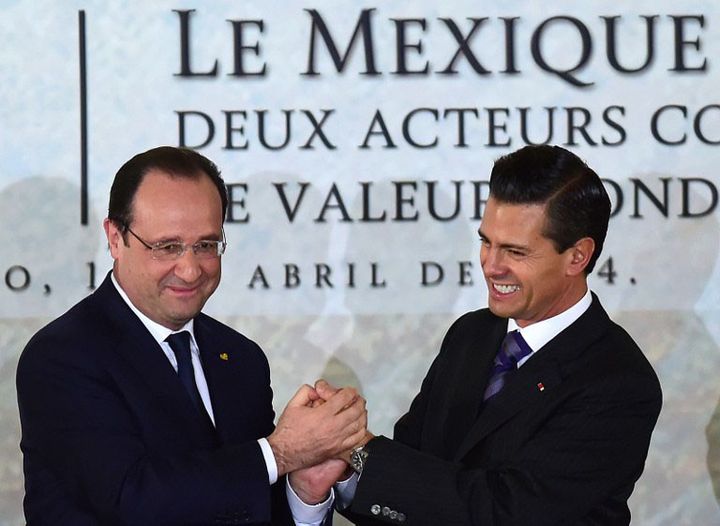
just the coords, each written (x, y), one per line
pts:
(183, 292)
(504, 289)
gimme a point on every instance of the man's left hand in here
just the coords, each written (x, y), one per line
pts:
(313, 484)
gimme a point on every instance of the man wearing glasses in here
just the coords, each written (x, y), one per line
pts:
(136, 408)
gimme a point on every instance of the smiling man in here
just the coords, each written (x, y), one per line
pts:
(137, 408)
(539, 409)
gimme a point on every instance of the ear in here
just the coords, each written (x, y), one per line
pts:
(114, 237)
(580, 254)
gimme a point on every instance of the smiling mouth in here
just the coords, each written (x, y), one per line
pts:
(183, 291)
(505, 289)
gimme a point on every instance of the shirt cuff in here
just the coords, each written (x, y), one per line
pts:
(345, 491)
(307, 514)
(269, 457)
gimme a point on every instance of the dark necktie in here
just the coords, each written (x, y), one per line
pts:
(180, 344)
(513, 349)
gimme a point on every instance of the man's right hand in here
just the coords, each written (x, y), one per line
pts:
(307, 435)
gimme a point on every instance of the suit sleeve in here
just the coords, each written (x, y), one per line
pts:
(579, 457)
(375, 499)
(80, 429)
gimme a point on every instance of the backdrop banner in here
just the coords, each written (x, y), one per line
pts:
(356, 140)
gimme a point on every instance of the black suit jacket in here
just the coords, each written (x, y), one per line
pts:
(110, 436)
(562, 443)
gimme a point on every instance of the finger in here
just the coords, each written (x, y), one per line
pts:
(350, 431)
(305, 395)
(343, 399)
(317, 403)
(353, 440)
(357, 405)
(324, 389)
(350, 417)
(344, 455)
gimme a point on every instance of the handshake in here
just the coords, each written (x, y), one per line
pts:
(315, 436)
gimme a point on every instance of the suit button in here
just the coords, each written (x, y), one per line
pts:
(386, 511)
(375, 509)
(393, 514)
(401, 517)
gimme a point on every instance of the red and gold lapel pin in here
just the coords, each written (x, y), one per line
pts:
(540, 387)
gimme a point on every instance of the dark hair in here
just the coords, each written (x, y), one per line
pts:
(576, 202)
(176, 162)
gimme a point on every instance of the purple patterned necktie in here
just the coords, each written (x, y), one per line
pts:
(513, 349)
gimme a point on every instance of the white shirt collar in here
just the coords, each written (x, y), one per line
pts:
(538, 334)
(158, 332)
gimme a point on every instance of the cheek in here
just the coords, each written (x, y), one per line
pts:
(484, 254)
(527, 277)
(211, 268)
(545, 282)
(160, 277)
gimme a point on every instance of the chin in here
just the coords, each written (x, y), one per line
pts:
(496, 311)
(182, 316)
(501, 310)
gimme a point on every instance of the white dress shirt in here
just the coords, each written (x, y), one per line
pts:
(538, 334)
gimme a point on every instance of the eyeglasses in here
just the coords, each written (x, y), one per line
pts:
(172, 250)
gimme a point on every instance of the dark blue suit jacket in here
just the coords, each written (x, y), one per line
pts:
(109, 435)
(562, 444)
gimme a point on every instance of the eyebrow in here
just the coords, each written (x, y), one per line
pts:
(207, 237)
(504, 245)
(211, 237)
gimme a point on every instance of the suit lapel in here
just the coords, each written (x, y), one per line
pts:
(140, 350)
(527, 387)
(538, 377)
(220, 367)
(475, 370)
(234, 380)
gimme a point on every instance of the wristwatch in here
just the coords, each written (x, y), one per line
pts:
(358, 457)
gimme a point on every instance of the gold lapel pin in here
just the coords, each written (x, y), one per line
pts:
(224, 356)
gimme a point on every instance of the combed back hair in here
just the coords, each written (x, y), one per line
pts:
(175, 162)
(576, 202)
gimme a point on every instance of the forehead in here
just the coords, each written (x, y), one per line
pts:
(511, 222)
(163, 199)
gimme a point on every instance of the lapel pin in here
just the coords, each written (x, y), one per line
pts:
(540, 387)
(224, 356)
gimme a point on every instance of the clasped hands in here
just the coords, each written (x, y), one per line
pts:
(315, 435)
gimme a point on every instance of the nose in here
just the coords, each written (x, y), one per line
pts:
(491, 261)
(187, 267)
